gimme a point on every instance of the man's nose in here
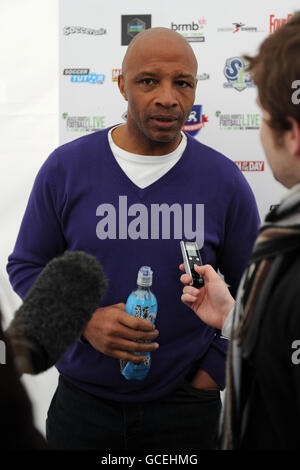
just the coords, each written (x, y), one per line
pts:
(166, 96)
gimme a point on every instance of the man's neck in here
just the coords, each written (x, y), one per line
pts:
(124, 139)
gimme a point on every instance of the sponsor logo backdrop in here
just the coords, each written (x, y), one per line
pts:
(93, 41)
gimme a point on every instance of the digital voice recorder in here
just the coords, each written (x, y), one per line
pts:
(191, 256)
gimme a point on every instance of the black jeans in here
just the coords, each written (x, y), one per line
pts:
(187, 419)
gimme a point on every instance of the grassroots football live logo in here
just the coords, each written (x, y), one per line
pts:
(193, 32)
(275, 23)
(67, 30)
(132, 25)
(239, 26)
(238, 121)
(195, 121)
(84, 123)
(162, 222)
(237, 75)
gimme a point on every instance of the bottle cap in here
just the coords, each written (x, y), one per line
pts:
(145, 276)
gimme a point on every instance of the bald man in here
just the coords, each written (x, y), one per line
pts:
(128, 195)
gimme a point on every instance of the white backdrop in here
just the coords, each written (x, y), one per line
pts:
(35, 118)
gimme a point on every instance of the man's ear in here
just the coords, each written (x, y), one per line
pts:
(121, 85)
(293, 137)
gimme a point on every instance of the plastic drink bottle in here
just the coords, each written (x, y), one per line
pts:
(141, 303)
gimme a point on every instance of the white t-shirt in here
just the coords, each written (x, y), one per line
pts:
(144, 170)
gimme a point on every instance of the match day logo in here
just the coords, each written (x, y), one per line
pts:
(196, 120)
(236, 74)
(251, 165)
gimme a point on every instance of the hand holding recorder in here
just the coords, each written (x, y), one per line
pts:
(212, 302)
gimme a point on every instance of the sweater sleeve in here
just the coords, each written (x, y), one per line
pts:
(214, 360)
(40, 236)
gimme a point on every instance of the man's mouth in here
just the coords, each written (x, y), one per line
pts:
(164, 121)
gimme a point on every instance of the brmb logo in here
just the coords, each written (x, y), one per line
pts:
(193, 32)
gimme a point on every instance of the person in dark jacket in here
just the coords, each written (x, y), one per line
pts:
(17, 430)
(262, 405)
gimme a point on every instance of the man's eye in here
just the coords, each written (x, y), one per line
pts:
(148, 81)
(184, 84)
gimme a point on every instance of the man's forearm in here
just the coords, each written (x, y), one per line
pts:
(203, 380)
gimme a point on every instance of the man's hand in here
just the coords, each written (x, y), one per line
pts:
(211, 303)
(115, 333)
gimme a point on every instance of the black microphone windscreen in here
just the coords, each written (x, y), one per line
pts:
(58, 306)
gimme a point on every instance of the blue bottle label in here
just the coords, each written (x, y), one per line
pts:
(142, 308)
(147, 310)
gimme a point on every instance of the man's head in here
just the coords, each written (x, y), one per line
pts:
(274, 69)
(159, 81)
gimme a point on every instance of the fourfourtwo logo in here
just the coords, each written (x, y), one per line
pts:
(161, 222)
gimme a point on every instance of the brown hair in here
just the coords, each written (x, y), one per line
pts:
(274, 69)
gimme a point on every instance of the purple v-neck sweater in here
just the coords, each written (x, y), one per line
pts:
(82, 200)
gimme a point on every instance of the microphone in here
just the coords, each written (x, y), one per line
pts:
(56, 310)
